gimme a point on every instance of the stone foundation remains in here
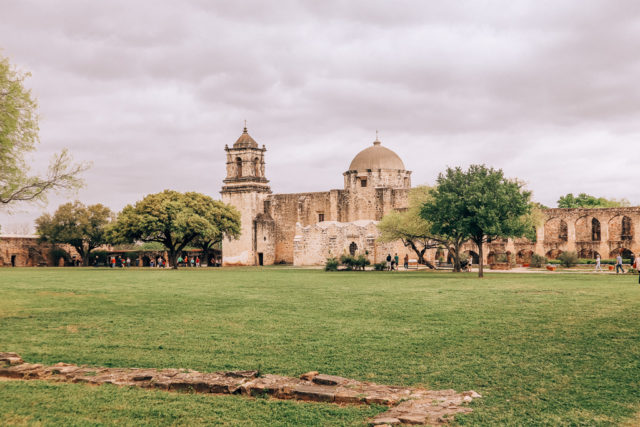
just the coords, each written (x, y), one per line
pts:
(408, 405)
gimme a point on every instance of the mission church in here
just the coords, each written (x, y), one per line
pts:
(308, 228)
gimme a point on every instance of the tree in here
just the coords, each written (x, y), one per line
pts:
(175, 220)
(227, 220)
(480, 204)
(442, 211)
(18, 136)
(409, 227)
(587, 201)
(80, 226)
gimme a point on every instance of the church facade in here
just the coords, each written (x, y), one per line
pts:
(308, 228)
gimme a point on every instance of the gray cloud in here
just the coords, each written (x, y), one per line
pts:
(151, 92)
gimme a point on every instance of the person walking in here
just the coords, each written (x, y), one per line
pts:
(396, 260)
(389, 262)
(598, 266)
(198, 261)
(619, 264)
(406, 261)
(128, 262)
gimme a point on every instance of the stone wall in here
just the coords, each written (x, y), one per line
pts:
(27, 251)
(313, 244)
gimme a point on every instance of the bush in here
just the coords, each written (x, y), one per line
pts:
(361, 262)
(380, 266)
(331, 264)
(538, 261)
(568, 259)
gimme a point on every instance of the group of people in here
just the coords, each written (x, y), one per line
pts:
(160, 262)
(116, 261)
(189, 261)
(394, 262)
(635, 263)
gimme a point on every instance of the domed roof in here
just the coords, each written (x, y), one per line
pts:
(376, 157)
(245, 140)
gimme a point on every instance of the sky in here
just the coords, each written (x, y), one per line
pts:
(150, 92)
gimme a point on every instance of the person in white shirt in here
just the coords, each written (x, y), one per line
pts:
(598, 267)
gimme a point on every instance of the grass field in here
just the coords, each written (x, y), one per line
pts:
(543, 349)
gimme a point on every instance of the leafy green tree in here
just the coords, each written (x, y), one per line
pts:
(175, 220)
(479, 204)
(80, 226)
(409, 227)
(227, 221)
(18, 136)
(584, 200)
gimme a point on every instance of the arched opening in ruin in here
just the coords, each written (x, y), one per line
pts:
(620, 228)
(624, 252)
(556, 230)
(587, 253)
(553, 253)
(524, 256)
(595, 230)
(626, 228)
(13, 260)
(353, 248)
(491, 258)
(238, 167)
(256, 167)
(475, 258)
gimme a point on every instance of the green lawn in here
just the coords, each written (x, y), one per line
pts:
(559, 349)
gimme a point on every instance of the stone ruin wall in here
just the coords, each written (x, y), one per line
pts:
(313, 244)
(588, 232)
(29, 252)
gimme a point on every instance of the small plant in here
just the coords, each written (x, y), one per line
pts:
(568, 259)
(331, 264)
(538, 261)
(380, 266)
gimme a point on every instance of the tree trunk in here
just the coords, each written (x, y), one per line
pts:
(173, 258)
(480, 259)
(456, 257)
(205, 255)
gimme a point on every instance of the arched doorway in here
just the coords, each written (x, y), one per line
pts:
(524, 256)
(553, 253)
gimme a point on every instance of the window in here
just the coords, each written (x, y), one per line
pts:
(256, 167)
(363, 182)
(238, 167)
(353, 248)
(595, 230)
(321, 217)
(626, 228)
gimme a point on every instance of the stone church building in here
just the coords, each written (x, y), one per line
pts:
(307, 228)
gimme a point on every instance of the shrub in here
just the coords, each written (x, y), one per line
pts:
(361, 262)
(568, 259)
(348, 261)
(331, 264)
(538, 261)
(380, 266)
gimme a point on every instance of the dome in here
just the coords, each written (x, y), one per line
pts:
(245, 141)
(376, 157)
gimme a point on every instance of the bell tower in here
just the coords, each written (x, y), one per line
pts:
(245, 188)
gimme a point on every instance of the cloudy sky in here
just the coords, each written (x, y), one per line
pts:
(150, 92)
